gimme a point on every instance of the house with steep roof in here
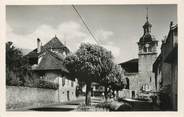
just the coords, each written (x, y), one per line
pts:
(47, 64)
(53, 45)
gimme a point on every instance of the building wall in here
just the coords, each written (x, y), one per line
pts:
(133, 81)
(67, 88)
(159, 79)
(146, 61)
(133, 86)
(17, 96)
(146, 76)
(174, 84)
(169, 70)
(166, 74)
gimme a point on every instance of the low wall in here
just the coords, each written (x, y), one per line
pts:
(125, 93)
(18, 97)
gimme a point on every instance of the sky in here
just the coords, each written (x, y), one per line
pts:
(116, 27)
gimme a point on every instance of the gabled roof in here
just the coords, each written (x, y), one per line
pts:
(54, 43)
(51, 61)
(130, 66)
(32, 54)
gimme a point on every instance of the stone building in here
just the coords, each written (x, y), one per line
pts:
(47, 64)
(138, 72)
(131, 75)
(166, 70)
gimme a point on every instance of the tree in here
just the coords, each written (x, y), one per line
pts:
(89, 64)
(114, 80)
(16, 65)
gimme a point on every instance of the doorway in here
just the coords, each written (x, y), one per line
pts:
(68, 95)
(133, 94)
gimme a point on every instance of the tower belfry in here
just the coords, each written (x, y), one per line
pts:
(147, 43)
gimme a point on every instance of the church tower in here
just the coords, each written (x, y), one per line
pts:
(147, 55)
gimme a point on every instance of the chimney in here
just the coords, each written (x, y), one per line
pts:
(171, 24)
(38, 45)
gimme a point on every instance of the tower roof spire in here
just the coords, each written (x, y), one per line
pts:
(147, 13)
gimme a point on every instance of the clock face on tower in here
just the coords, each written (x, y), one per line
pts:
(147, 45)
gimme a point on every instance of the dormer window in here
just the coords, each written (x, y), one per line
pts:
(64, 54)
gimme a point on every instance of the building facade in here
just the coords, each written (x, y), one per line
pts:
(166, 70)
(131, 76)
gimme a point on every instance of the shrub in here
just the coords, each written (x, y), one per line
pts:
(125, 107)
(15, 81)
(103, 105)
(46, 84)
(12, 79)
(115, 106)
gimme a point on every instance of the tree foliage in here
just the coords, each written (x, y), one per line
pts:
(115, 78)
(17, 66)
(90, 63)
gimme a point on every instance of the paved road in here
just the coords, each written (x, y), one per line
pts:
(67, 106)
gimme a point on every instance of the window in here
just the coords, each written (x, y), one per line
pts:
(150, 79)
(71, 83)
(149, 49)
(127, 86)
(63, 81)
(145, 49)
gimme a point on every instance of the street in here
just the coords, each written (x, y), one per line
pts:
(67, 106)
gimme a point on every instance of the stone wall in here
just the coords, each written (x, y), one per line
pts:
(19, 97)
(146, 76)
(134, 81)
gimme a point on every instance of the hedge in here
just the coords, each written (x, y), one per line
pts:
(34, 84)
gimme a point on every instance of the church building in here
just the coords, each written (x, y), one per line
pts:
(138, 72)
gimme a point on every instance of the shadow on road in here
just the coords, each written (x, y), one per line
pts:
(51, 109)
